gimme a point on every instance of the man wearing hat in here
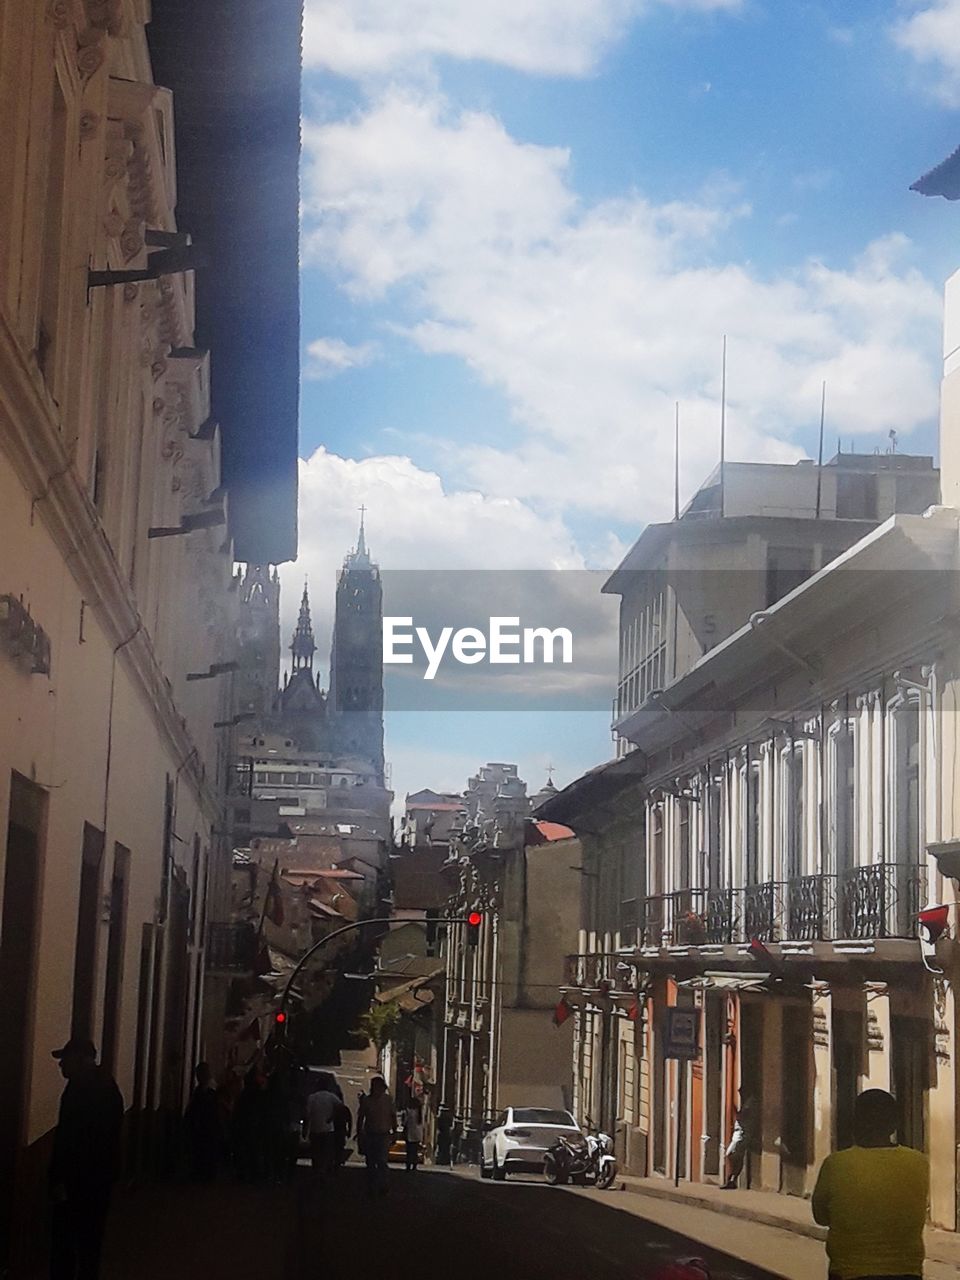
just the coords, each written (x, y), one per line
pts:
(84, 1165)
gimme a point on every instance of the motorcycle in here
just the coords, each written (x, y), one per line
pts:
(585, 1160)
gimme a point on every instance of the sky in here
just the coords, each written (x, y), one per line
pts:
(527, 227)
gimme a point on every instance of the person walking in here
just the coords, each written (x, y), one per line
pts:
(872, 1198)
(444, 1135)
(85, 1161)
(740, 1141)
(202, 1123)
(376, 1125)
(413, 1133)
(324, 1108)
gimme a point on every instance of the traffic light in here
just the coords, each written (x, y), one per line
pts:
(279, 1024)
(474, 921)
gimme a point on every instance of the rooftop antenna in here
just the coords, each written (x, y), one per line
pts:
(676, 461)
(723, 420)
(823, 407)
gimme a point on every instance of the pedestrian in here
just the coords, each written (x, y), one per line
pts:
(413, 1133)
(740, 1141)
(444, 1134)
(323, 1110)
(342, 1125)
(376, 1125)
(872, 1198)
(202, 1123)
(251, 1127)
(85, 1161)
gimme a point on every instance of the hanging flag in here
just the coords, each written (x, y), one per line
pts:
(273, 909)
(633, 1013)
(561, 1013)
(935, 921)
(758, 951)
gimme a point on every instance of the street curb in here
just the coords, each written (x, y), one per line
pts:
(732, 1210)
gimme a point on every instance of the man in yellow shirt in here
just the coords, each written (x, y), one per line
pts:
(873, 1199)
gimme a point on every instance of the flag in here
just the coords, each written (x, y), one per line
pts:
(935, 921)
(758, 951)
(561, 1013)
(633, 1013)
(273, 908)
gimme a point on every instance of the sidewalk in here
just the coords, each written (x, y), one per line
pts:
(782, 1212)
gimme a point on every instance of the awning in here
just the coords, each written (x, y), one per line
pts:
(727, 982)
(404, 993)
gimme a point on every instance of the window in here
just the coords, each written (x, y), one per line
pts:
(683, 844)
(906, 782)
(793, 812)
(656, 846)
(843, 797)
(751, 822)
(787, 567)
(714, 834)
(643, 655)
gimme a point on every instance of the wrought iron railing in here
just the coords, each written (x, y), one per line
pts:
(722, 919)
(878, 901)
(762, 911)
(592, 972)
(881, 900)
(811, 908)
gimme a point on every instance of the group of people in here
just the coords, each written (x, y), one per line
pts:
(872, 1197)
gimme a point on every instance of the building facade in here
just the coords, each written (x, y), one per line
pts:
(115, 599)
(500, 1044)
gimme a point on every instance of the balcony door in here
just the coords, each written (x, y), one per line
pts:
(905, 805)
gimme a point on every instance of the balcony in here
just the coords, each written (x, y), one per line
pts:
(881, 901)
(865, 903)
(231, 947)
(593, 972)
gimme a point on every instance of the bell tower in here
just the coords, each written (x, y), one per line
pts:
(356, 658)
(258, 640)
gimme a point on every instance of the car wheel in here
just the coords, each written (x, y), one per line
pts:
(484, 1167)
(499, 1173)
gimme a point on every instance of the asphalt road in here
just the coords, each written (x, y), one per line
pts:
(434, 1223)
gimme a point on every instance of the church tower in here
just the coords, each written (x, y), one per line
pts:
(356, 658)
(258, 640)
(301, 694)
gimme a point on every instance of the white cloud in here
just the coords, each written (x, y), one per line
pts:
(363, 38)
(932, 36)
(326, 357)
(412, 522)
(593, 319)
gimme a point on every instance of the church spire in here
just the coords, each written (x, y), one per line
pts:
(359, 559)
(304, 646)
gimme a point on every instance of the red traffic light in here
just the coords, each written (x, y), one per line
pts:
(475, 919)
(280, 1018)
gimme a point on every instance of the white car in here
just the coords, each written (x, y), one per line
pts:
(519, 1138)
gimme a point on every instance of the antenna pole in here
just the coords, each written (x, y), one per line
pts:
(823, 407)
(723, 421)
(676, 462)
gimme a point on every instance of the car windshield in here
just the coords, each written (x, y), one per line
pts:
(536, 1115)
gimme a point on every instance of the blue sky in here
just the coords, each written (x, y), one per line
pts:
(528, 224)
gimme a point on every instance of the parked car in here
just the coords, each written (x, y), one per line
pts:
(520, 1137)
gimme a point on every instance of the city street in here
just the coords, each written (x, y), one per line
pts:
(431, 1223)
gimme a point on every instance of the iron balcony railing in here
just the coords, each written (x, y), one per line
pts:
(593, 972)
(881, 901)
(878, 901)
